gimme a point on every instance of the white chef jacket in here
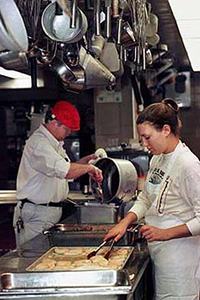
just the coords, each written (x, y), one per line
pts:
(181, 197)
(43, 168)
(171, 197)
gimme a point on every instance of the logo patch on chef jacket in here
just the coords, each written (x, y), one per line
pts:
(156, 176)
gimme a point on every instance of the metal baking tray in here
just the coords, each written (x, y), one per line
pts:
(78, 254)
(79, 228)
(75, 279)
(85, 234)
(77, 234)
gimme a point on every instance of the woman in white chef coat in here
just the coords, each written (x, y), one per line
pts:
(170, 203)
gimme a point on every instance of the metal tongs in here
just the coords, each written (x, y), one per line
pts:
(94, 252)
(107, 255)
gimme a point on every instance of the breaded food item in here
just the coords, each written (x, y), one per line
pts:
(65, 263)
(81, 262)
(46, 264)
(87, 251)
(99, 260)
(60, 250)
(75, 251)
(121, 251)
(115, 264)
(62, 265)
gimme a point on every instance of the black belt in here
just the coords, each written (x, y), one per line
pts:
(55, 204)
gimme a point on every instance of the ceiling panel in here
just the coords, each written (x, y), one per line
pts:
(169, 33)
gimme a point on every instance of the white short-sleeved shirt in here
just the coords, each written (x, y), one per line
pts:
(181, 195)
(43, 168)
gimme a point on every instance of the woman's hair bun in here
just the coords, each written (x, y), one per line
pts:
(170, 102)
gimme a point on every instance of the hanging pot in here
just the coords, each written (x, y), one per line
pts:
(79, 82)
(97, 75)
(152, 26)
(71, 54)
(13, 35)
(64, 32)
(153, 40)
(14, 60)
(62, 70)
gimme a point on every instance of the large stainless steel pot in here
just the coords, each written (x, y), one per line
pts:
(119, 179)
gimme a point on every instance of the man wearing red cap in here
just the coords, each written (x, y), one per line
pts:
(44, 171)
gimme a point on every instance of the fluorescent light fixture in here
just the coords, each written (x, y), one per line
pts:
(17, 80)
(13, 74)
(186, 14)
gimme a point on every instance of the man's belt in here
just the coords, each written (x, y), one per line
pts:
(55, 204)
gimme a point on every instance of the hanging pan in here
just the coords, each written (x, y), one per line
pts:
(58, 25)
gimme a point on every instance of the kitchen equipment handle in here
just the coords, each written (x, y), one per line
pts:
(59, 10)
(108, 18)
(73, 18)
(97, 16)
(115, 8)
(72, 201)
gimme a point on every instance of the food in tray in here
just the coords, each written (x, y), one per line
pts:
(99, 260)
(46, 264)
(81, 227)
(75, 258)
(69, 251)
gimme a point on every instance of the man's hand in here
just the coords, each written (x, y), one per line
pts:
(86, 159)
(96, 174)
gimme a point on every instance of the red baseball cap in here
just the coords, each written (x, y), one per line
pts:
(67, 114)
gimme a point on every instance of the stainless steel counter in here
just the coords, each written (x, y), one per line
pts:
(16, 262)
(9, 196)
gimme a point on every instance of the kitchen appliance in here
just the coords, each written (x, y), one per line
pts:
(87, 234)
(118, 188)
(97, 213)
(77, 234)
